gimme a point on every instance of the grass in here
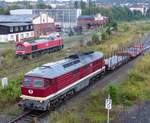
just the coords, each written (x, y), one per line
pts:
(135, 89)
(127, 34)
(4, 46)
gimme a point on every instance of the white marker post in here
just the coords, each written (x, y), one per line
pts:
(108, 106)
(4, 82)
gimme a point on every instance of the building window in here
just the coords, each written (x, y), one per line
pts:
(16, 29)
(22, 36)
(27, 35)
(27, 27)
(11, 37)
(11, 29)
(43, 20)
(31, 27)
(21, 28)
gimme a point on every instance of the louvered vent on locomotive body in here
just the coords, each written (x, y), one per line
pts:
(76, 56)
(75, 59)
(71, 63)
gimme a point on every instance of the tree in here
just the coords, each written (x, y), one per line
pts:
(4, 11)
(96, 38)
(42, 6)
(148, 13)
(137, 14)
(114, 25)
(76, 4)
(82, 4)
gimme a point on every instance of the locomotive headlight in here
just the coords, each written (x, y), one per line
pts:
(30, 91)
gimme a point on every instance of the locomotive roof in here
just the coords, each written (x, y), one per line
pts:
(58, 68)
(52, 36)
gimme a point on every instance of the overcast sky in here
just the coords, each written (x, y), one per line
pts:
(17, 0)
(22, 0)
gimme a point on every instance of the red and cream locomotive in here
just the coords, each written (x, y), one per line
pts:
(45, 86)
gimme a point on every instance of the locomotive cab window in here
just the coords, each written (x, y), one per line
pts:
(38, 83)
(20, 48)
(27, 82)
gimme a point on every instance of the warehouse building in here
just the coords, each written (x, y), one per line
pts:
(21, 27)
(63, 17)
(14, 28)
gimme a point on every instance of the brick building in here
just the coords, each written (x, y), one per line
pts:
(88, 21)
(43, 25)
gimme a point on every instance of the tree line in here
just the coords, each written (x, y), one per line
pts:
(24, 5)
(116, 13)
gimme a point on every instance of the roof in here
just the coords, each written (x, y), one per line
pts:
(86, 17)
(58, 68)
(14, 24)
(15, 18)
(51, 37)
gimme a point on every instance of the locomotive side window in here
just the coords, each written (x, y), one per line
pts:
(34, 47)
(20, 48)
(47, 83)
(38, 83)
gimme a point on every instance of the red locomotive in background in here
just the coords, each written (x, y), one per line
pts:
(33, 48)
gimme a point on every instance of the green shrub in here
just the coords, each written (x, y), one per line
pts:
(114, 94)
(96, 38)
(12, 92)
(104, 36)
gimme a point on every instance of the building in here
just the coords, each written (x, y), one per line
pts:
(143, 9)
(88, 21)
(21, 27)
(15, 31)
(15, 28)
(63, 17)
(43, 25)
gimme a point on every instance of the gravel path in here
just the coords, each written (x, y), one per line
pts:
(138, 114)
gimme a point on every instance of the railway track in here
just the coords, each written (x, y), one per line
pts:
(43, 60)
(29, 117)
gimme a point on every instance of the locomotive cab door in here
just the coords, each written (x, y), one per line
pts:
(34, 47)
